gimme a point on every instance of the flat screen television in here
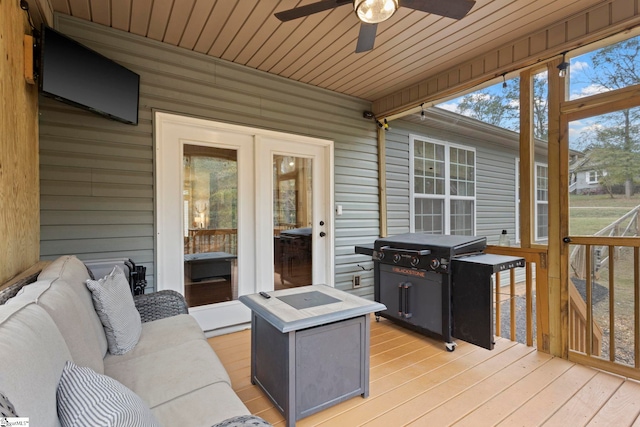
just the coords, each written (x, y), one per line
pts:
(74, 74)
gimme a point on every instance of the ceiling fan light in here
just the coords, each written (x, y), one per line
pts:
(375, 11)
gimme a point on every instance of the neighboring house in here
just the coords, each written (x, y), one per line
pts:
(585, 175)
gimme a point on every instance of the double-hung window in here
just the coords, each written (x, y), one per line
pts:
(542, 202)
(443, 187)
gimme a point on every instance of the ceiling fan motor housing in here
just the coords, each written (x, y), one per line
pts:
(375, 11)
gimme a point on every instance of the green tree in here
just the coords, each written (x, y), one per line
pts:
(499, 105)
(614, 143)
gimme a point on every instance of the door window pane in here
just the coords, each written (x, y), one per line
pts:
(210, 202)
(292, 221)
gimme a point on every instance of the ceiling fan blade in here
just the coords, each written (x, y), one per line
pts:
(309, 9)
(367, 37)
(456, 9)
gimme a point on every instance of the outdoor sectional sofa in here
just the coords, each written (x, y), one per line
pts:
(52, 322)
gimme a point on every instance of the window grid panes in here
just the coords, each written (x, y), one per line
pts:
(462, 217)
(428, 168)
(429, 215)
(444, 188)
(542, 202)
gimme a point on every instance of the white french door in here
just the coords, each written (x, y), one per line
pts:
(239, 210)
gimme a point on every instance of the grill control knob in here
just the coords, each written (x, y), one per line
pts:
(396, 258)
(435, 263)
(380, 255)
(414, 261)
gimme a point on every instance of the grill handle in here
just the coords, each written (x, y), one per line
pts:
(421, 252)
(407, 310)
(403, 300)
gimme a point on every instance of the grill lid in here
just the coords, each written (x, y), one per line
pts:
(453, 245)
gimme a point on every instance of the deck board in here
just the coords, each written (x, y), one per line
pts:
(415, 381)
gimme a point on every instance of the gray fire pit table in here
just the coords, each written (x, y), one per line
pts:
(310, 347)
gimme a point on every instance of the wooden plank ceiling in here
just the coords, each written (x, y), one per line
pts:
(320, 49)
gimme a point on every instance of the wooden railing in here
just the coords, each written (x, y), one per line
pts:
(212, 240)
(578, 324)
(615, 313)
(536, 267)
(626, 226)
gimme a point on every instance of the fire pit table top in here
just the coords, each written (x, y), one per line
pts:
(308, 306)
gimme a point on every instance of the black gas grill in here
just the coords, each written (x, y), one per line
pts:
(438, 285)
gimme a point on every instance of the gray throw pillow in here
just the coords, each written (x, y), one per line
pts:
(86, 398)
(114, 304)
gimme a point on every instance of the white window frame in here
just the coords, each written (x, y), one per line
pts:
(536, 202)
(540, 202)
(447, 198)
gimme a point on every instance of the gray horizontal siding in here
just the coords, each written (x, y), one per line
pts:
(97, 175)
(495, 179)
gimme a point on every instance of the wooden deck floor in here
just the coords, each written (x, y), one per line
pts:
(414, 381)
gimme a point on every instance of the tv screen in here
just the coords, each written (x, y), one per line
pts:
(77, 75)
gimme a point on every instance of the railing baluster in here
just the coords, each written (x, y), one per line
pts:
(529, 302)
(589, 332)
(512, 302)
(497, 284)
(636, 306)
(612, 305)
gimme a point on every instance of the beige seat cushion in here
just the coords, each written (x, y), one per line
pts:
(75, 319)
(164, 375)
(34, 353)
(220, 403)
(159, 335)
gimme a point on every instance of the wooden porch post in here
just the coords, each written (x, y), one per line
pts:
(382, 180)
(558, 215)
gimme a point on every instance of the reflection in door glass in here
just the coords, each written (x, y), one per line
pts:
(210, 201)
(292, 221)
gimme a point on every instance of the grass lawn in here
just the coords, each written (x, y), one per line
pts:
(590, 214)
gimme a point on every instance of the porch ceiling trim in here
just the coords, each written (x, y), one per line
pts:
(589, 26)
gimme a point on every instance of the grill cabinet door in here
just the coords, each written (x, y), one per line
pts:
(413, 296)
(471, 303)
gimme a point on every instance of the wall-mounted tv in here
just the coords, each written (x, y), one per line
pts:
(77, 75)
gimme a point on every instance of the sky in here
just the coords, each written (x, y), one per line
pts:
(579, 86)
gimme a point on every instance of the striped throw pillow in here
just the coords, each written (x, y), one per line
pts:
(6, 408)
(86, 398)
(114, 304)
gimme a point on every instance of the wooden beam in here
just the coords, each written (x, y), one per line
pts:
(382, 180)
(527, 160)
(558, 161)
(566, 35)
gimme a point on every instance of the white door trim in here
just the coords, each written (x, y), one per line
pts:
(169, 128)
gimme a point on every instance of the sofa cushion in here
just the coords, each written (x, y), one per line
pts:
(86, 398)
(34, 353)
(69, 271)
(115, 307)
(206, 406)
(163, 375)
(74, 316)
(160, 334)
(68, 268)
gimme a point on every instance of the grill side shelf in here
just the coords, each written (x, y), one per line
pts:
(364, 249)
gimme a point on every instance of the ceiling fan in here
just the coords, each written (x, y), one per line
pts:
(372, 12)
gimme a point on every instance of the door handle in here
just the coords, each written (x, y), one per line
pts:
(322, 234)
